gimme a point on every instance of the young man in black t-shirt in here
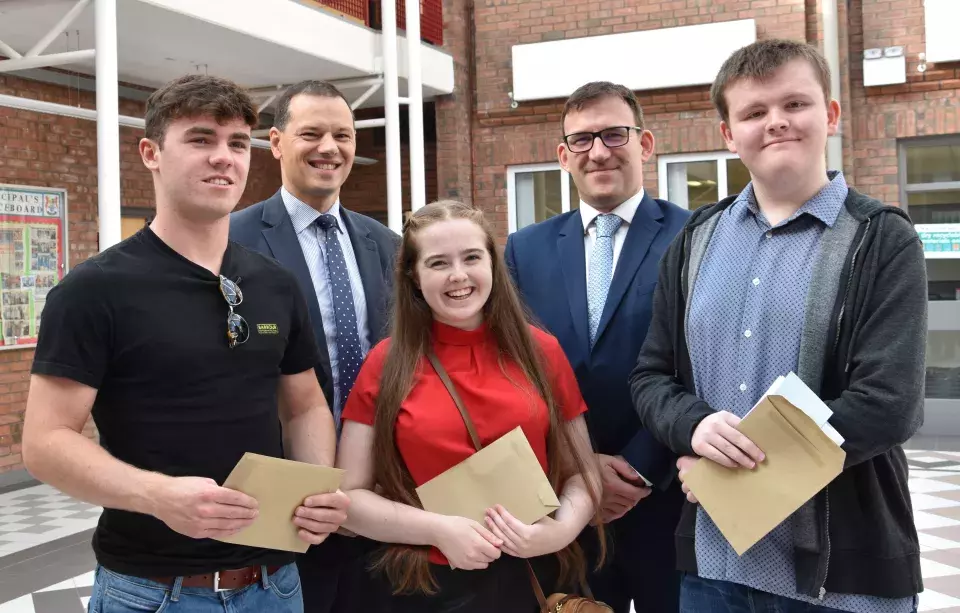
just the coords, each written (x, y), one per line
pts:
(189, 350)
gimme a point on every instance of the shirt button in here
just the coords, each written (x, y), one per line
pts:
(743, 387)
(756, 281)
(748, 333)
(769, 234)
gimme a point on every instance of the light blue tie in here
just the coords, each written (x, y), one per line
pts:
(601, 270)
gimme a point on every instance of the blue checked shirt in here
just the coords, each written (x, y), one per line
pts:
(744, 325)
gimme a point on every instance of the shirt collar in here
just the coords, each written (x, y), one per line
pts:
(625, 210)
(303, 215)
(825, 205)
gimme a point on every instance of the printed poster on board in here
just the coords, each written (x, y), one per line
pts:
(32, 227)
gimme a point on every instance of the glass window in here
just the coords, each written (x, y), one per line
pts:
(574, 195)
(934, 207)
(538, 196)
(538, 192)
(943, 364)
(933, 164)
(737, 176)
(692, 181)
(693, 184)
(931, 195)
(32, 256)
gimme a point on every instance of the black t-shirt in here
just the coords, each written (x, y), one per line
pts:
(148, 329)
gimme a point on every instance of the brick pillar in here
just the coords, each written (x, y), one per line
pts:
(455, 113)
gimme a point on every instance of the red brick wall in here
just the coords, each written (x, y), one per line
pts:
(366, 189)
(455, 113)
(54, 151)
(928, 104)
(682, 120)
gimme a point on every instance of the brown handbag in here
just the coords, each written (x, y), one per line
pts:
(557, 602)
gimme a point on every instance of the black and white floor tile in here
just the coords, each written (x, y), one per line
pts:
(46, 565)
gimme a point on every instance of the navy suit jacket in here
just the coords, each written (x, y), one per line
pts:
(548, 266)
(266, 228)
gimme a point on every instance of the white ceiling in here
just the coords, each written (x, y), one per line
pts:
(257, 43)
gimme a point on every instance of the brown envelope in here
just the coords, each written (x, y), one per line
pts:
(505, 472)
(280, 486)
(800, 461)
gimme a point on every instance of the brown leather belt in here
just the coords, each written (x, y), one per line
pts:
(222, 580)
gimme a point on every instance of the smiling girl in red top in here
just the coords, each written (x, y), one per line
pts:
(402, 428)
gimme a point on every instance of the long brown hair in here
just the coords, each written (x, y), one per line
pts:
(407, 567)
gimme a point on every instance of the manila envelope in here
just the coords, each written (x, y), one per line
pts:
(505, 472)
(800, 461)
(280, 486)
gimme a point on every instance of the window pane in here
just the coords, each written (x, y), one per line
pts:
(538, 196)
(943, 337)
(943, 364)
(934, 207)
(737, 176)
(943, 280)
(692, 184)
(574, 196)
(937, 216)
(933, 164)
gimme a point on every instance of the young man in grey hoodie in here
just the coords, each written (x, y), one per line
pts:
(798, 273)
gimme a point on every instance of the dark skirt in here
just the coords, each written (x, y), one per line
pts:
(503, 587)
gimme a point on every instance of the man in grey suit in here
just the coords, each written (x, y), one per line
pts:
(344, 263)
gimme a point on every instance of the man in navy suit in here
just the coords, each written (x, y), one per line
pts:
(344, 264)
(588, 277)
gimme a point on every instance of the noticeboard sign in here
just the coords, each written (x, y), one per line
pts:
(33, 228)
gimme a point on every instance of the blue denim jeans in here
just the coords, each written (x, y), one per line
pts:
(708, 596)
(115, 593)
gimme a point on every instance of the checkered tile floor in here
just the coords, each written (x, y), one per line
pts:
(41, 515)
(935, 492)
(37, 515)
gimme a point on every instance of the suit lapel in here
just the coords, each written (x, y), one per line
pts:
(573, 265)
(285, 247)
(368, 261)
(644, 228)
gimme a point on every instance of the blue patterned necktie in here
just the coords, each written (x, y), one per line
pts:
(349, 353)
(601, 270)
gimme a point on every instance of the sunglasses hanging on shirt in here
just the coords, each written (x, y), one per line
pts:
(237, 329)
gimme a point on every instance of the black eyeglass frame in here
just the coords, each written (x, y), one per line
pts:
(238, 331)
(627, 130)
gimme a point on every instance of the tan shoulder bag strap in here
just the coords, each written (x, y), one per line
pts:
(476, 443)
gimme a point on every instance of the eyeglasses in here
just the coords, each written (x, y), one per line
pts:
(581, 142)
(237, 329)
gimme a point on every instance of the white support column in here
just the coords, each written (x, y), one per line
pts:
(370, 123)
(58, 29)
(391, 109)
(831, 50)
(108, 127)
(46, 61)
(366, 95)
(418, 181)
(9, 51)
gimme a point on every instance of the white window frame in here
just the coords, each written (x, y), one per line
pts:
(513, 171)
(709, 156)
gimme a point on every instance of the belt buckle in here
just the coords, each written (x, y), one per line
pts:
(216, 582)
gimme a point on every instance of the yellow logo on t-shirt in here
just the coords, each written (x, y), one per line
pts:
(268, 329)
